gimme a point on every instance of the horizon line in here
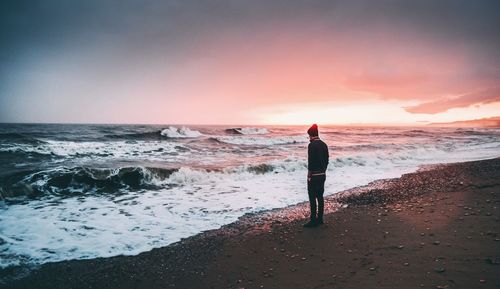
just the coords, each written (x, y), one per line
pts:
(390, 124)
(420, 123)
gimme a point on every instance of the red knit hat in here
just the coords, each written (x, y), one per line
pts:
(313, 130)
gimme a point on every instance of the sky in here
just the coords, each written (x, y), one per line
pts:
(249, 61)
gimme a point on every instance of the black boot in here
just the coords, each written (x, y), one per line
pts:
(311, 224)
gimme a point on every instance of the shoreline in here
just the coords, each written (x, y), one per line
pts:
(203, 260)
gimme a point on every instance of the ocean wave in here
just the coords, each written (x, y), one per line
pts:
(64, 181)
(71, 181)
(19, 138)
(187, 176)
(415, 133)
(182, 132)
(261, 141)
(362, 147)
(277, 166)
(349, 133)
(92, 149)
(17, 155)
(247, 130)
(478, 132)
(151, 135)
(84, 205)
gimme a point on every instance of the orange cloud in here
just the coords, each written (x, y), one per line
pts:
(486, 96)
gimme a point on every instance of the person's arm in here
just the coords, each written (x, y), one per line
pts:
(327, 157)
(309, 161)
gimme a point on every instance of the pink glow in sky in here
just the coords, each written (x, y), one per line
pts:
(254, 62)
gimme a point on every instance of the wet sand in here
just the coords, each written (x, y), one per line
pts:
(436, 228)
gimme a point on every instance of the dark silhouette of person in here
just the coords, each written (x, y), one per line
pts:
(317, 162)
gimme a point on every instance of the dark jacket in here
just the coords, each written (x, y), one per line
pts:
(317, 156)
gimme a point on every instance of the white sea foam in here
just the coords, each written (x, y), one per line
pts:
(194, 199)
(100, 226)
(261, 140)
(139, 222)
(92, 149)
(182, 132)
(252, 130)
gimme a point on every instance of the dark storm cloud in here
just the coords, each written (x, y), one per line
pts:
(28, 25)
(137, 31)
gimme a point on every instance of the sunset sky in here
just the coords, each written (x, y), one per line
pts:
(249, 62)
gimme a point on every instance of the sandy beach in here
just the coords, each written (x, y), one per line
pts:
(435, 228)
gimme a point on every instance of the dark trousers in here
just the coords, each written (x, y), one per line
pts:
(315, 189)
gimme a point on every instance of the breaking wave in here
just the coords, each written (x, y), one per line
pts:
(71, 181)
(247, 130)
(183, 132)
(120, 149)
(100, 191)
(261, 141)
(64, 181)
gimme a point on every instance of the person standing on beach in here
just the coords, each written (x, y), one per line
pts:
(317, 162)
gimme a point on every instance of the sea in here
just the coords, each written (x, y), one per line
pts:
(78, 191)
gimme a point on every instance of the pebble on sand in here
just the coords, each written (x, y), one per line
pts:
(493, 261)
